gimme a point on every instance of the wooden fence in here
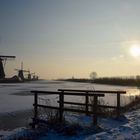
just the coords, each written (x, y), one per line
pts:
(82, 93)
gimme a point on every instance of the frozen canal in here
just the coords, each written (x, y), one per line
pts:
(17, 97)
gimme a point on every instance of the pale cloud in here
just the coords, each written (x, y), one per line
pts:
(120, 57)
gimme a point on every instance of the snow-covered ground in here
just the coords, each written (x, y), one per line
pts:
(17, 98)
(124, 128)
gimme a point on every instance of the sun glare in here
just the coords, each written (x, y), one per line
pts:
(135, 50)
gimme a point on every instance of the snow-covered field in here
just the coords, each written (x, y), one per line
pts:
(17, 98)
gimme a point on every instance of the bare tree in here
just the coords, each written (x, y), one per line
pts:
(93, 76)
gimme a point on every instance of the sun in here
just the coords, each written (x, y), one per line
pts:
(135, 50)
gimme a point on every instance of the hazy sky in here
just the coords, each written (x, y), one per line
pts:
(65, 38)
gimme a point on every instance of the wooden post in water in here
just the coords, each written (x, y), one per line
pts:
(86, 102)
(95, 110)
(61, 106)
(118, 104)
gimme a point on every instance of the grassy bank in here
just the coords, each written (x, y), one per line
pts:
(108, 81)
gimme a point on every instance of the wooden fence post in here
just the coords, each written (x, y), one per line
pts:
(61, 106)
(118, 104)
(87, 102)
(95, 110)
(35, 109)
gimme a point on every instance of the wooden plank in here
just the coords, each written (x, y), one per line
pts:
(74, 103)
(65, 109)
(95, 110)
(111, 92)
(83, 104)
(86, 102)
(47, 106)
(68, 93)
(93, 91)
(75, 90)
(61, 106)
(35, 109)
(118, 105)
(83, 94)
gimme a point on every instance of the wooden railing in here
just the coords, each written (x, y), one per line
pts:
(117, 93)
(82, 93)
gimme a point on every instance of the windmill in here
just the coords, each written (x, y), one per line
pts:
(32, 76)
(21, 72)
(3, 59)
(29, 75)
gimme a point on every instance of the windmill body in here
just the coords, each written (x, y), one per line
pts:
(3, 60)
(2, 73)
